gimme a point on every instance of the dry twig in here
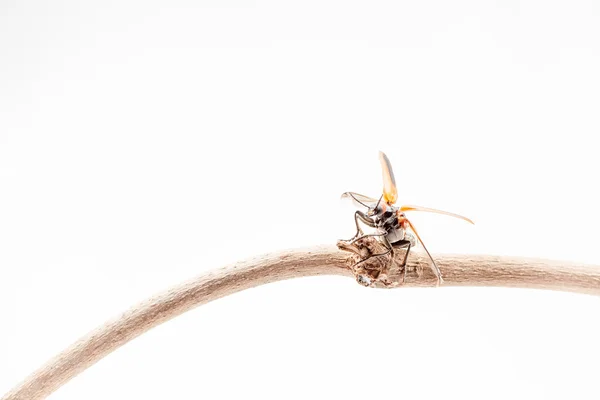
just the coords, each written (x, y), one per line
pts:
(458, 270)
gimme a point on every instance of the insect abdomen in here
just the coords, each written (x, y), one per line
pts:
(395, 235)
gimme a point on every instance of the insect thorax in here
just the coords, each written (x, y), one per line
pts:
(387, 220)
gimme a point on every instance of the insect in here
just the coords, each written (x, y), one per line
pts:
(389, 221)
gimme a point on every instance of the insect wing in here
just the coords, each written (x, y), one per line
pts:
(390, 192)
(360, 200)
(433, 210)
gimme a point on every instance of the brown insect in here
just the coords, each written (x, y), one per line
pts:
(389, 221)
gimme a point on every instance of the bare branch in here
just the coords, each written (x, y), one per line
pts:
(457, 270)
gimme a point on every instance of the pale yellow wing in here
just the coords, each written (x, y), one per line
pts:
(390, 192)
(433, 210)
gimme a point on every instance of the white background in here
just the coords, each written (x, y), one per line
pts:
(144, 143)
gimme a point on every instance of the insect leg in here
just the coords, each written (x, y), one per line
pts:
(373, 255)
(358, 229)
(404, 263)
(386, 243)
(367, 235)
(364, 219)
(407, 244)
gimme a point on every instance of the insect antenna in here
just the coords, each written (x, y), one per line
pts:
(378, 201)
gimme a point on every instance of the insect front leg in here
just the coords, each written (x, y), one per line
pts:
(380, 234)
(364, 218)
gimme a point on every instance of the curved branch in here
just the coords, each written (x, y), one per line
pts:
(458, 270)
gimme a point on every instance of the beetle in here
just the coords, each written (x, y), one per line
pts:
(390, 221)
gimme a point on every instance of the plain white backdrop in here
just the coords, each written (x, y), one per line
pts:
(144, 143)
